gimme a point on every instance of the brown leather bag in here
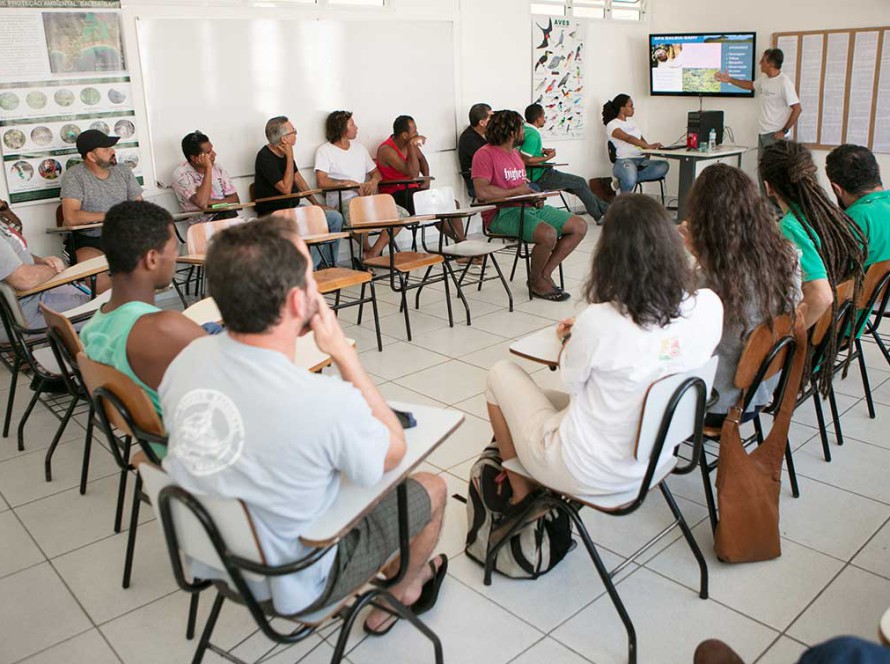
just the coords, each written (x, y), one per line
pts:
(748, 484)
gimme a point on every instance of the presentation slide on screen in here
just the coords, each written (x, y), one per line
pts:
(687, 63)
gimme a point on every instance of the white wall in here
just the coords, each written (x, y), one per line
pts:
(492, 43)
(492, 38)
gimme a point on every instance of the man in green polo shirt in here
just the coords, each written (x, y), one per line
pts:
(548, 178)
(856, 180)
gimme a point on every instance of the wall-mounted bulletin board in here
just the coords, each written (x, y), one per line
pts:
(843, 81)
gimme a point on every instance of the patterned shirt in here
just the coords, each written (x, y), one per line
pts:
(186, 181)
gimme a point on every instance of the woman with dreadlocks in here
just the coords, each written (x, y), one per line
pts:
(832, 247)
(743, 257)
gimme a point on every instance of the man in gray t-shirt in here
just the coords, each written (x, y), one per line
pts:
(90, 189)
(22, 270)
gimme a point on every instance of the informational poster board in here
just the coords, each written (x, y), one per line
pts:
(557, 84)
(843, 80)
(62, 71)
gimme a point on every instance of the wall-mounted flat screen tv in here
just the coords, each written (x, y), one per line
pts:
(684, 64)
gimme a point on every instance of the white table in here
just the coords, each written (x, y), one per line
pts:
(353, 502)
(691, 164)
(88, 307)
(87, 269)
(542, 347)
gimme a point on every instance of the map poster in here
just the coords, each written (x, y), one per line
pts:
(62, 71)
(557, 81)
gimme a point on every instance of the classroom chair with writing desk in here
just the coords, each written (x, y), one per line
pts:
(196, 240)
(28, 350)
(219, 533)
(820, 335)
(441, 203)
(312, 226)
(673, 412)
(872, 304)
(767, 356)
(135, 433)
(405, 197)
(65, 345)
(379, 212)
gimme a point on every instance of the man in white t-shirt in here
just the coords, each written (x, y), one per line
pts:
(245, 422)
(779, 103)
(345, 161)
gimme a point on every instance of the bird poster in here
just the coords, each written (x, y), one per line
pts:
(557, 79)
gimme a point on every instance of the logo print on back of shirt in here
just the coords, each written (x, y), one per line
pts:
(209, 432)
(670, 349)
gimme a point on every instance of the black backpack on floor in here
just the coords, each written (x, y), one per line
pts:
(534, 550)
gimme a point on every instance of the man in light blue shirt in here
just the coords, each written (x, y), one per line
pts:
(245, 422)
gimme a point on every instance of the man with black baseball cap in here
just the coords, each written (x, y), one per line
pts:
(90, 189)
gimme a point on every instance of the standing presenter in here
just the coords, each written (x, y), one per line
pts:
(779, 103)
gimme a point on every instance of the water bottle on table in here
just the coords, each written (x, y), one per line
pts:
(712, 140)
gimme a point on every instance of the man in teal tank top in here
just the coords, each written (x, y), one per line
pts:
(129, 332)
(856, 180)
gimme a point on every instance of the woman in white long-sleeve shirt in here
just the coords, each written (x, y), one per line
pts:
(644, 321)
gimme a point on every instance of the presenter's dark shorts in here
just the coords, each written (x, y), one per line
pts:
(375, 541)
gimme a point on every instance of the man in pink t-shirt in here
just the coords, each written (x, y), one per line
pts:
(498, 172)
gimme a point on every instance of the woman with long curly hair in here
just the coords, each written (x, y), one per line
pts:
(832, 247)
(645, 320)
(499, 172)
(744, 258)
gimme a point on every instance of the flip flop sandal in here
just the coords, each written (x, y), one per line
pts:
(553, 296)
(389, 623)
(429, 594)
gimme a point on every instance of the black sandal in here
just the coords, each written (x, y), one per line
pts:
(553, 296)
(429, 594)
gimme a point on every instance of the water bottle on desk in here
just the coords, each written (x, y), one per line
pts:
(712, 140)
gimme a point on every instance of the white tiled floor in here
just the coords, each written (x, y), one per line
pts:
(60, 563)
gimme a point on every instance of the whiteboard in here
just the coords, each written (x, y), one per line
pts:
(227, 77)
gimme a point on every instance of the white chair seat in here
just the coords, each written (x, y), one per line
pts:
(471, 248)
(47, 360)
(605, 502)
(89, 307)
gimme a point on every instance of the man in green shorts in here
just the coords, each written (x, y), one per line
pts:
(499, 172)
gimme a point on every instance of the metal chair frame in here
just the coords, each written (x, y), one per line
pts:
(571, 505)
(235, 566)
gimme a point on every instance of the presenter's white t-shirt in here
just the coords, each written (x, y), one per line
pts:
(352, 164)
(623, 149)
(777, 95)
(608, 366)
